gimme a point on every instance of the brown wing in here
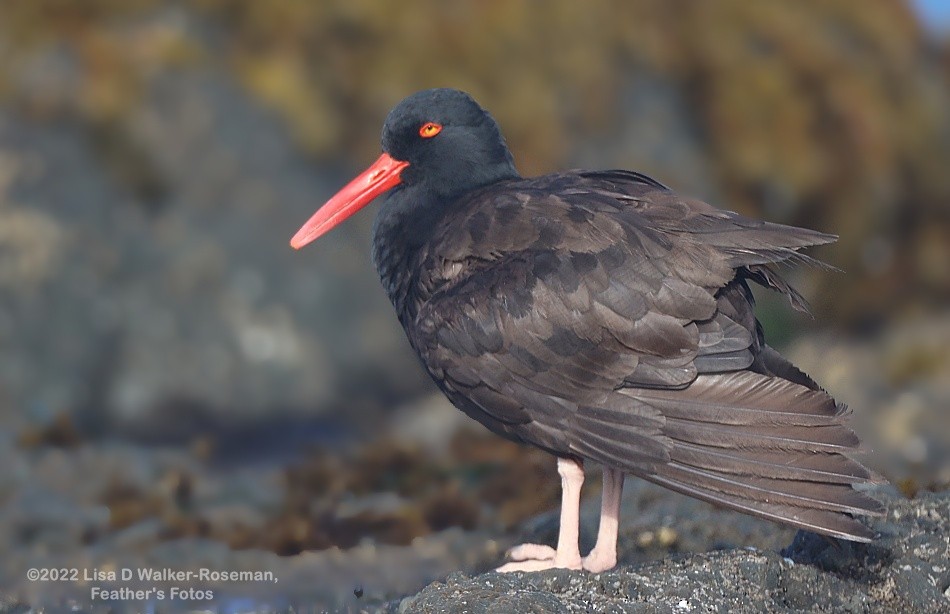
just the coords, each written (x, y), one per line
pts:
(618, 280)
(586, 314)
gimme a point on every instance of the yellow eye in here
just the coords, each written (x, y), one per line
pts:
(429, 130)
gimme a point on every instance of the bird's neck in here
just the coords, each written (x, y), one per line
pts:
(410, 218)
(405, 224)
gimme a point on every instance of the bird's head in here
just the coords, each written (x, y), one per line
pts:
(439, 143)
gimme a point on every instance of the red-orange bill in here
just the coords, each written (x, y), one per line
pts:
(381, 176)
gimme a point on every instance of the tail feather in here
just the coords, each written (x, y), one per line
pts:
(755, 443)
(797, 493)
(752, 436)
(825, 522)
(742, 389)
(692, 410)
(784, 465)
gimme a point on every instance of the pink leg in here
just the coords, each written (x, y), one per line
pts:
(604, 554)
(535, 557)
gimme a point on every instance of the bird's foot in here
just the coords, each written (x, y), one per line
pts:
(538, 557)
(600, 560)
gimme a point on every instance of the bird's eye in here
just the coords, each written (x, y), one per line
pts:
(429, 130)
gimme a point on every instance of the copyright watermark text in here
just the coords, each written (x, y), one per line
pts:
(133, 584)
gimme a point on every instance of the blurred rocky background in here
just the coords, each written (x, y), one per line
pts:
(177, 384)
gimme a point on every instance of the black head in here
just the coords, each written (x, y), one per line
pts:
(451, 143)
(437, 144)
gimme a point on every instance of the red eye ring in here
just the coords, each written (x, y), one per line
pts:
(429, 130)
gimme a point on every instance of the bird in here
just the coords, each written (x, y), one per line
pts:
(603, 317)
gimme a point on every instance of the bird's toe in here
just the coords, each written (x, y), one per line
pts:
(525, 552)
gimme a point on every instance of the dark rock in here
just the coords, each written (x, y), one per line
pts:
(906, 570)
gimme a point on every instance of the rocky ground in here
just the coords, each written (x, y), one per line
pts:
(906, 570)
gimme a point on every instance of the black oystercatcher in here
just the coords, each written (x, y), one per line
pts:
(601, 316)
